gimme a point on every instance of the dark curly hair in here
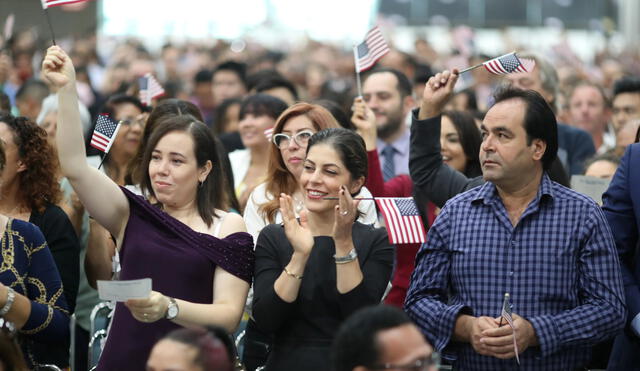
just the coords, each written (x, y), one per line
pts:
(38, 183)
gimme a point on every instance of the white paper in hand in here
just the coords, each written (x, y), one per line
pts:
(124, 290)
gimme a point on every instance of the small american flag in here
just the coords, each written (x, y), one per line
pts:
(509, 63)
(507, 315)
(402, 219)
(269, 133)
(105, 133)
(150, 88)
(49, 3)
(368, 52)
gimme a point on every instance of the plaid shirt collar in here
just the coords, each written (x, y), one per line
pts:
(488, 193)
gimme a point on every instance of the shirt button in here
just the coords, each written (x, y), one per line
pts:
(514, 242)
(511, 273)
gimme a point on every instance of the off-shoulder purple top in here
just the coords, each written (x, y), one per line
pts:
(181, 263)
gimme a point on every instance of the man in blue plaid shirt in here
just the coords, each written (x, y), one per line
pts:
(520, 233)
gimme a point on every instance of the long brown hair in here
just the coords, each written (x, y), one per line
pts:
(38, 183)
(279, 179)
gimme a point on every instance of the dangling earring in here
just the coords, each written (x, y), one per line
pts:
(200, 184)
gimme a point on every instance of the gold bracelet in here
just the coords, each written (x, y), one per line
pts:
(292, 274)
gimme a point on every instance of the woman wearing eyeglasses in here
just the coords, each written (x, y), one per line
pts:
(131, 114)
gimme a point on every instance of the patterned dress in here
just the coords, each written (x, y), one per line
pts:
(28, 267)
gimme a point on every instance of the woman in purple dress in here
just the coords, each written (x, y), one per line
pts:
(198, 256)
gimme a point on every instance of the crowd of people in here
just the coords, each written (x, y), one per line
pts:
(246, 194)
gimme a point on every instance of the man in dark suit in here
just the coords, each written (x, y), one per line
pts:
(622, 209)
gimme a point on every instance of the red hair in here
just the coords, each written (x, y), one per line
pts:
(279, 179)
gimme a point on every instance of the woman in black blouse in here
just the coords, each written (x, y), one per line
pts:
(313, 273)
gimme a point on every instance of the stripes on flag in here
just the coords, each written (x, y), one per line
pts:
(269, 133)
(507, 315)
(150, 88)
(509, 63)
(49, 3)
(402, 219)
(104, 133)
(368, 52)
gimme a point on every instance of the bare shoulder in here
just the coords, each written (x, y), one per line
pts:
(231, 223)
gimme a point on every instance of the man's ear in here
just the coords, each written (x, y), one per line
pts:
(408, 103)
(539, 147)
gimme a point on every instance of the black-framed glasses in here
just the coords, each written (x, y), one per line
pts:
(428, 363)
(283, 141)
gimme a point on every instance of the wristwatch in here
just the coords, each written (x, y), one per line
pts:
(172, 309)
(351, 256)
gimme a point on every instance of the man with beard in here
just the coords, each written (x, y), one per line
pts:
(388, 93)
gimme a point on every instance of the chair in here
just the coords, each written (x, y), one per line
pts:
(100, 320)
(72, 345)
(47, 367)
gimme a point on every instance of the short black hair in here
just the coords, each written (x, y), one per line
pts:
(404, 85)
(609, 156)
(262, 105)
(33, 88)
(240, 69)
(627, 84)
(337, 112)
(355, 343)
(109, 107)
(423, 73)
(539, 119)
(203, 76)
(275, 80)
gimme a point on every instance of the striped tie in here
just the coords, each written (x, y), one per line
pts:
(389, 167)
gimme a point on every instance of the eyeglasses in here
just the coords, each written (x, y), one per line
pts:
(129, 122)
(282, 140)
(420, 364)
